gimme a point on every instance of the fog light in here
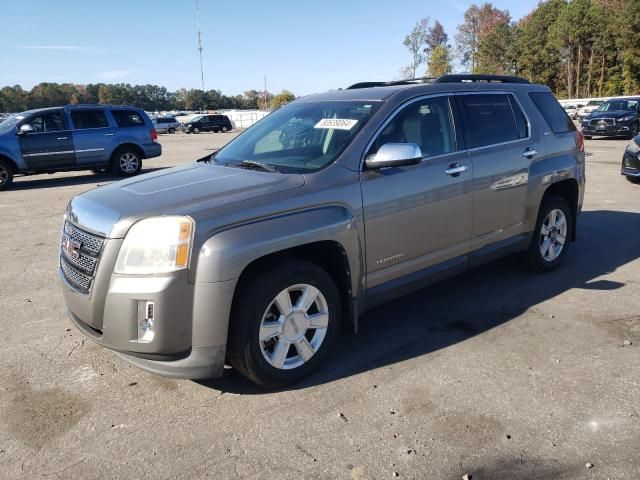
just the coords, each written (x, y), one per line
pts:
(146, 312)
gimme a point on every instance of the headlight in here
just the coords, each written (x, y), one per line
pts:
(627, 119)
(633, 148)
(156, 245)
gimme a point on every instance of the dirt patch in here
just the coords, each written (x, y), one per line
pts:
(37, 417)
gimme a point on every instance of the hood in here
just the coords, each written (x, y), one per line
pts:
(182, 190)
(611, 114)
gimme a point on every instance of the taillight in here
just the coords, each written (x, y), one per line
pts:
(154, 134)
(580, 140)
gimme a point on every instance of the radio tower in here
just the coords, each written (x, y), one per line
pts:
(199, 43)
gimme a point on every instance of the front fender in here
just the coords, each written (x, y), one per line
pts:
(226, 254)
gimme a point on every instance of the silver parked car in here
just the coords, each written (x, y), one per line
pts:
(329, 206)
(166, 124)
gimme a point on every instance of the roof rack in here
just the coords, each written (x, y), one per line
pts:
(472, 78)
(453, 78)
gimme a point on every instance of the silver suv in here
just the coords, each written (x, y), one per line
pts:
(257, 255)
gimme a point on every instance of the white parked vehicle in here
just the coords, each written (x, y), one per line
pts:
(591, 106)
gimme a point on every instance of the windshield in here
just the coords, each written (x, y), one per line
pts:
(301, 137)
(10, 122)
(593, 103)
(624, 105)
(197, 118)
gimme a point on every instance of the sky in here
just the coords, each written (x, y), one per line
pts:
(302, 46)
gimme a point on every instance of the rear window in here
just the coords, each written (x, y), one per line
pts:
(489, 120)
(89, 119)
(552, 112)
(127, 118)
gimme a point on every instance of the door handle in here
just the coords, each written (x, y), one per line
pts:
(529, 153)
(62, 138)
(109, 134)
(456, 169)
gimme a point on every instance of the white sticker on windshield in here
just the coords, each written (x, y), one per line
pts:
(336, 123)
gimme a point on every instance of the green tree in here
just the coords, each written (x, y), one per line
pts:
(439, 61)
(281, 99)
(497, 53)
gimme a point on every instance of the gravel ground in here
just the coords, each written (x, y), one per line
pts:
(498, 373)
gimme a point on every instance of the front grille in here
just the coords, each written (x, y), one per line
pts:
(79, 256)
(608, 121)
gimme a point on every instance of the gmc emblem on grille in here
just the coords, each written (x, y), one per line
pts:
(71, 247)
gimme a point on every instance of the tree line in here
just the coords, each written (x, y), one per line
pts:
(148, 97)
(579, 48)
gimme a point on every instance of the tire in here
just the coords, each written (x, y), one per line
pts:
(225, 129)
(559, 236)
(633, 132)
(127, 162)
(172, 130)
(215, 130)
(635, 180)
(587, 137)
(275, 360)
(195, 130)
(6, 175)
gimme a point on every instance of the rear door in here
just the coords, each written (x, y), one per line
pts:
(50, 145)
(502, 146)
(93, 136)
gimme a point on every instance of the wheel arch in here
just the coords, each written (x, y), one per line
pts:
(10, 161)
(126, 145)
(569, 190)
(325, 236)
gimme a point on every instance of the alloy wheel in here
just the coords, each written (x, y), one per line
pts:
(129, 162)
(293, 326)
(4, 175)
(553, 235)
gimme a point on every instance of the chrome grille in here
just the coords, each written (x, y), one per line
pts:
(79, 256)
(608, 121)
(90, 243)
(76, 278)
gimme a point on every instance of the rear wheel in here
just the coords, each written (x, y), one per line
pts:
(172, 130)
(285, 318)
(552, 235)
(127, 162)
(6, 175)
(225, 129)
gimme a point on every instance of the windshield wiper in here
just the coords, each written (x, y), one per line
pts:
(262, 166)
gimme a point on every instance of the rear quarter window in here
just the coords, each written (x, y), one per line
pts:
(89, 119)
(127, 118)
(489, 120)
(553, 113)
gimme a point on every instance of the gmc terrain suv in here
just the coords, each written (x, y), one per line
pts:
(256, 255)
(76, 137)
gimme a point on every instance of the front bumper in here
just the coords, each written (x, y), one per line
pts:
(631, 164)
(617, 130)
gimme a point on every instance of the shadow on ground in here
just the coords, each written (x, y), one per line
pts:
(470, 304)
(46, 181)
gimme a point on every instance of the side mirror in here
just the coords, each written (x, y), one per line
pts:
(26, 128)
(394, 155)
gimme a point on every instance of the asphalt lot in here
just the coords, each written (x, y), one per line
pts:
(498, 373)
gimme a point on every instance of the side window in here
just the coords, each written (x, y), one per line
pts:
(48, 122)
(89, 119)
(426, 123)
(127, 118)
(553, 113)
(488, 120)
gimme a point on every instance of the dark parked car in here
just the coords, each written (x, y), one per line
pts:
(76, 137)
(208, 123)
(631, 161)
(618, 117)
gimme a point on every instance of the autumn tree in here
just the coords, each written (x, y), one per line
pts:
(416, 43)
(478, 22)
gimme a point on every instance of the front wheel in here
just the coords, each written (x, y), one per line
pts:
(127, 162)
(552, 235)
(284, 320)
(6, 175)
(633, 132)
(225, 129)
(196, 130)
(172, 130)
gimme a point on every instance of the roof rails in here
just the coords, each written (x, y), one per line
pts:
(454, 78)
(472, 78)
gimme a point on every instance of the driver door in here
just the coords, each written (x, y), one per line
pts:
(49, 145)
(418, 218)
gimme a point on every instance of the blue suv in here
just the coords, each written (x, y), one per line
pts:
(76, 137)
